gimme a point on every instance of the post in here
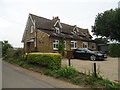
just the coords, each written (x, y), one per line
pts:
(69, 56)
(69, 61)
(95, 70)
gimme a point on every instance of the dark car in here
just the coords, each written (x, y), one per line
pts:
(85, 53)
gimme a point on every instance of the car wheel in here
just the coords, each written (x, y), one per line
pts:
(93, 57)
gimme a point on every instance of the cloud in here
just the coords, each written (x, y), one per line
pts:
(14, 14)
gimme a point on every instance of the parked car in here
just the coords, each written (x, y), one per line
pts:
(85, 53)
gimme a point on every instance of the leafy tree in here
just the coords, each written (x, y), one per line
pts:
(101, 40)
(108, 24)
(61, 47)
(5, 47)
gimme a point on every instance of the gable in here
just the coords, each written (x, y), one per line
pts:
(48, 26)
(57, 24)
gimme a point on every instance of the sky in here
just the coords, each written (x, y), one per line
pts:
(14, 14)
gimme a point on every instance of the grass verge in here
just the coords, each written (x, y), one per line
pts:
(68, 74)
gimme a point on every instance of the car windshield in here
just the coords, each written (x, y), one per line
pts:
(90, 49)
(85, 49)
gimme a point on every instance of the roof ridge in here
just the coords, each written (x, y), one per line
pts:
(39, 16)
(52, 20)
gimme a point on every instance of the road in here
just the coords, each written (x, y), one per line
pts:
(17, 77)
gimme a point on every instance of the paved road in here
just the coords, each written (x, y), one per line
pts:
(16, 77)
(108, 68)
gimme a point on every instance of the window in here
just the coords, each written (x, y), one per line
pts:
(93, 45)
(55, 44)
(73, 44)
(85, 44)
(64, 44)
(32, 28)
(57, 30)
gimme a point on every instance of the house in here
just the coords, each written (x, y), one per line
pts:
(45, 34)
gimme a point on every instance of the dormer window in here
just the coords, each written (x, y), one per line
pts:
(32, 28)
(57, 30)
(75, 30)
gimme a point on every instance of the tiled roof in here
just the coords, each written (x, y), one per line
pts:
(47, 26)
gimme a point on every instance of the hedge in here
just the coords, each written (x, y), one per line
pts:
(48, 60)
(114, 50)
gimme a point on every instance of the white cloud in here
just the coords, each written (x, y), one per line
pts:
(14, 14)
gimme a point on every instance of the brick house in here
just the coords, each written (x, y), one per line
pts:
(44, 34)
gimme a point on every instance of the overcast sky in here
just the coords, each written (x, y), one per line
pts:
(14, 14)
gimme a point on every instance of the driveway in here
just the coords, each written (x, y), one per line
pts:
(107, 68)
(17, 77)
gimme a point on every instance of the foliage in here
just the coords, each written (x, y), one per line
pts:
(101, 40)
(114, 50)
(61, 46)
(18, 53)
(48, 60)
(109, 84)
(67, 72)
(77, 80)
(50, 72)
(37, 53)
(70, 74)
(91, 80)
(108, 24)
(5, 47)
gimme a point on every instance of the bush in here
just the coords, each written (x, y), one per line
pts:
(49, 60)
(67, 72)
(77, 80)
(109, 84)
(5, 47)
(18, 53)
(50, 72)
(114, 50)
(92, 80)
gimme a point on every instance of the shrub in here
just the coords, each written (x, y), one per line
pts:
(18, 53)
(67, 72)
(10, 52)
(114, 50)
(5, 47)
(50, 72)
(91, 80)
(109, 84)
(49, 60)
(76, 80)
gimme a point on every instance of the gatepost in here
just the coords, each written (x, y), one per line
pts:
(69, 56)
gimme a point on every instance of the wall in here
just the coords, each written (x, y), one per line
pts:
(43, 41)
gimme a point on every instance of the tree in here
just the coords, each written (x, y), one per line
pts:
(101, 40)
(5, 47)
(61, 47)
(108, 24)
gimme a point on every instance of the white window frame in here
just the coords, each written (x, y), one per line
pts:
(74, 44)
(57, 30)
(85, 44)
(64, 45)
(94, 45)
(58, 21)
(31, 29)
(55, 43)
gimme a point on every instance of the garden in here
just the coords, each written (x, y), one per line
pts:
(50, 64)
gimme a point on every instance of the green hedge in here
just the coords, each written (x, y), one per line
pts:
(114, 50)
(48, 60)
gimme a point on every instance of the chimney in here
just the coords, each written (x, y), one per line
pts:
(55, 18)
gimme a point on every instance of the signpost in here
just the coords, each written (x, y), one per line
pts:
(69, 56)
